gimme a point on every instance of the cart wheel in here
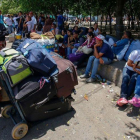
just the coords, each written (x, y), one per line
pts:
(19, 130)
(5, 110)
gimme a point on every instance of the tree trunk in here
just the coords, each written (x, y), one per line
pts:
(90, 19)
(101, 22)
(110, 23)
(119, 19)
(106, 22)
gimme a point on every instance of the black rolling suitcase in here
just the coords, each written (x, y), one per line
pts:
(53, 108)
(34, 92)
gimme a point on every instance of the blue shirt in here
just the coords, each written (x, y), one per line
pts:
(60, 20)
(120, 45)
(65, 39)
(106, 50)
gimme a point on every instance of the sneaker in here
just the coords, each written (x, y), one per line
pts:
(135, 102)
(122, 101)
(90, 80)
(84, 76)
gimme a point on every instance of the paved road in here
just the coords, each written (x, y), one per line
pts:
(95, 119)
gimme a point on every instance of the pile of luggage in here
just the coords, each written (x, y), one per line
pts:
(42, 82)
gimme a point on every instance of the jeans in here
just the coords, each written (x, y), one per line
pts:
(10, 29)
(74, 50)
(96, 62)
(69, 51)
(128, 82)
(137, 87)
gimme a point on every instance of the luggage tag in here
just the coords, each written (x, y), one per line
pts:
(26, 53)
(26, 45)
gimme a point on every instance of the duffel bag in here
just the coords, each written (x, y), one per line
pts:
(75, 57)
(17, 69)
(6, 52)
(38, 58)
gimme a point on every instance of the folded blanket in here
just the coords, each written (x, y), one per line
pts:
(34, 35)
(49, 35)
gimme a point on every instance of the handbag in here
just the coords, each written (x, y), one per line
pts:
(86, 50)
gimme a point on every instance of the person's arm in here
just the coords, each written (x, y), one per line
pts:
(120, 43)
(90, 45)
(85, 43)
(97, 55)
(19, 22)
(134, 68)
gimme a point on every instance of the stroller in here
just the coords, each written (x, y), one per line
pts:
(45, 111)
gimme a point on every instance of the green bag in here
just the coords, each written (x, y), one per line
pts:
(5, 53)
(17, 69)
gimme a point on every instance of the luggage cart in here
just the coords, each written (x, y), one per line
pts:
(20, 129)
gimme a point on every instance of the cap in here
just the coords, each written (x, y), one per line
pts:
(100, 37)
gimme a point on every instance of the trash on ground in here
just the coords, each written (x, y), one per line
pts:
(86, 97)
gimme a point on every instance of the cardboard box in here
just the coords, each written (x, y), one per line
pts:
(12, 37)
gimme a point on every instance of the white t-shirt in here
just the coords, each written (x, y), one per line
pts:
(33, 21)
(8, 22)
(96, 32)
(29, 25)
(135, 57)
(15, 20)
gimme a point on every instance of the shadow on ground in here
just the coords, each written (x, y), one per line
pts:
(39, 129)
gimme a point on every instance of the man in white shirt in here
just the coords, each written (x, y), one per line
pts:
(8, 22)
(34, 22)
(15, 21)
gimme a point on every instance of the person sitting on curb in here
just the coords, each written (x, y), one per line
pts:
(102, 55)
(130, 73)
(135, 101)
(118, 46)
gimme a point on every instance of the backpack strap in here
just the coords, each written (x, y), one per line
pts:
(128, 47)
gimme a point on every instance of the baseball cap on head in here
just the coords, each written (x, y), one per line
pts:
(100, 37)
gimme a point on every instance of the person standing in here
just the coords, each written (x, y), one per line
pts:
(15, 22)
(9, 23)
(60, 20)
(34, 22)
(20, 23)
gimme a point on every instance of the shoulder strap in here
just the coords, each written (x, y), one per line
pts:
(128, 47)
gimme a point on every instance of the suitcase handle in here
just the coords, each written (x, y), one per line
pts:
(38, 105)
(42, 82)
(49, 111)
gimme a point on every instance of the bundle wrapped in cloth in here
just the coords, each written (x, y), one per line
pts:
(47, 35)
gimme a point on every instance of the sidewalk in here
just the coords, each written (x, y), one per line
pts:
(96, 119)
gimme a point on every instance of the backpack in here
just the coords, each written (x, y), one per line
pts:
(38, 57)
(17, 69)
(135, 45)
(5, 53)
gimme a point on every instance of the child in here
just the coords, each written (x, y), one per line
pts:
(61, 47)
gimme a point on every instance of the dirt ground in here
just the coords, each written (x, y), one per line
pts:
(96, 119)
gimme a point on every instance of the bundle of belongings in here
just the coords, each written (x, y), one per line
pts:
(42, 82)
(46, 40)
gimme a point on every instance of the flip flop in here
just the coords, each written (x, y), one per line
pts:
(122, 101)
